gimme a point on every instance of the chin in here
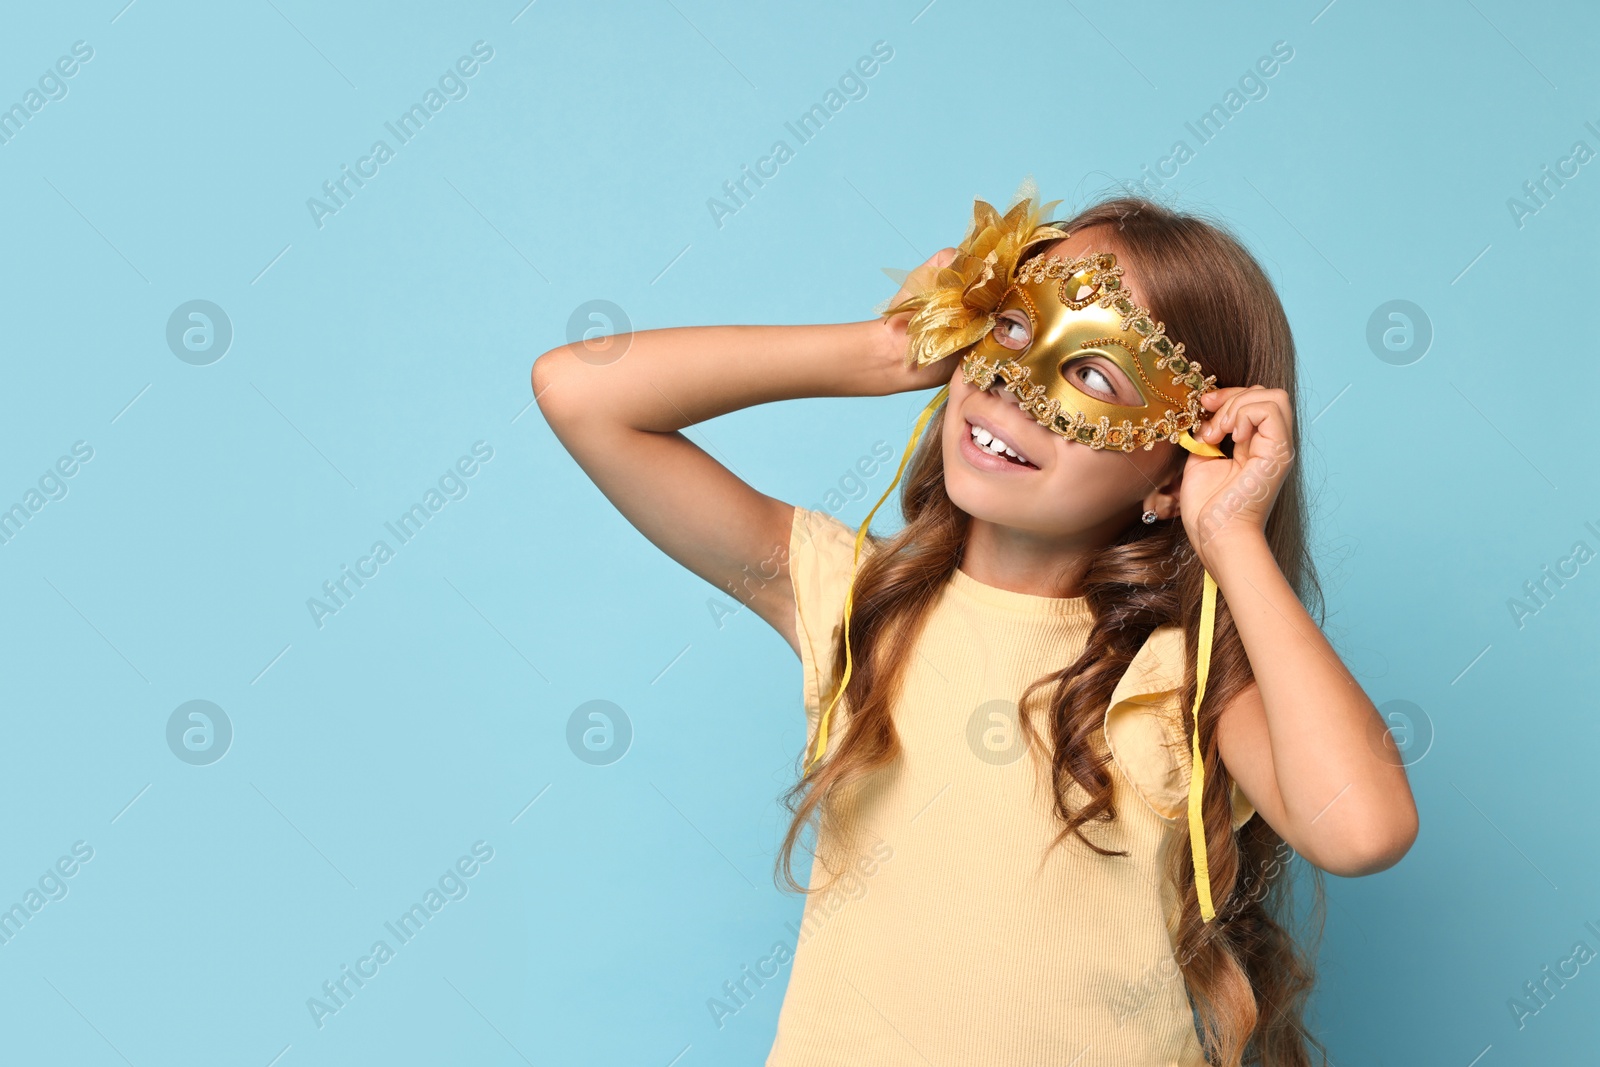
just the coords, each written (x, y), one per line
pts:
(983, 497)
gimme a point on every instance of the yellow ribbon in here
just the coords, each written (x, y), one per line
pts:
(1202, 668)
(849, 598)
(1197, 776)
(1197, 446)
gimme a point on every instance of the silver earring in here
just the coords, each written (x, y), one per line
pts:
(1148, 517)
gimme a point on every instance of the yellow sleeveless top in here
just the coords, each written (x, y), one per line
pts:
(954, 933)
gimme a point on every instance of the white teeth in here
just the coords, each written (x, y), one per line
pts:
(992, 444)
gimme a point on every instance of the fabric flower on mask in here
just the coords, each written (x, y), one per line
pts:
(957, 306)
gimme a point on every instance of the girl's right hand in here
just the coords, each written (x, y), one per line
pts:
(904, 378)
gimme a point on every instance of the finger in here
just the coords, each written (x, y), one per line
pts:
(1211, 430)
(922, 277)
(935, 263)
(1229, 414)
(1261, 427)
(1270, 416)
(1244, 431)
(1217, 397)
(1221, 422)
(1259, 394)
(1280, 400)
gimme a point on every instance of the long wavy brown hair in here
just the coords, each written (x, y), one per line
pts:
(1247, 977)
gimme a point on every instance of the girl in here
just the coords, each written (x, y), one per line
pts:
(1057, 775)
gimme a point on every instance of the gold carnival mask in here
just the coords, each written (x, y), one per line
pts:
(1026, 321)
(1029, 321)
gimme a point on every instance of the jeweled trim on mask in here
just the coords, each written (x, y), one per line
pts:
(1074, 425)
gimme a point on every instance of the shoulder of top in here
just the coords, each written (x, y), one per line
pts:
(1156, 670)
(1146, 733)
(1144, 723)
(827, 532)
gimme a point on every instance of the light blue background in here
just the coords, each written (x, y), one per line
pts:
(370, 353)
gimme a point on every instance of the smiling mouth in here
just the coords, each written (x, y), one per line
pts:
(985, 441)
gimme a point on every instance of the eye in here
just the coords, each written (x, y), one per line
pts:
(1012, 330)
(1097, 380)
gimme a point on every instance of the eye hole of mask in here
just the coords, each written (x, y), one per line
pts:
(1012, 330)
(1096, 377)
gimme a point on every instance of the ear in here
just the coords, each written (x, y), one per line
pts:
(1163, 499)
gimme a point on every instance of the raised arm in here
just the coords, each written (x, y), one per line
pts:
(1304, 742)
(621, 422)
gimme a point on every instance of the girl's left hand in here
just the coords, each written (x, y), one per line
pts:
(1223, 498)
